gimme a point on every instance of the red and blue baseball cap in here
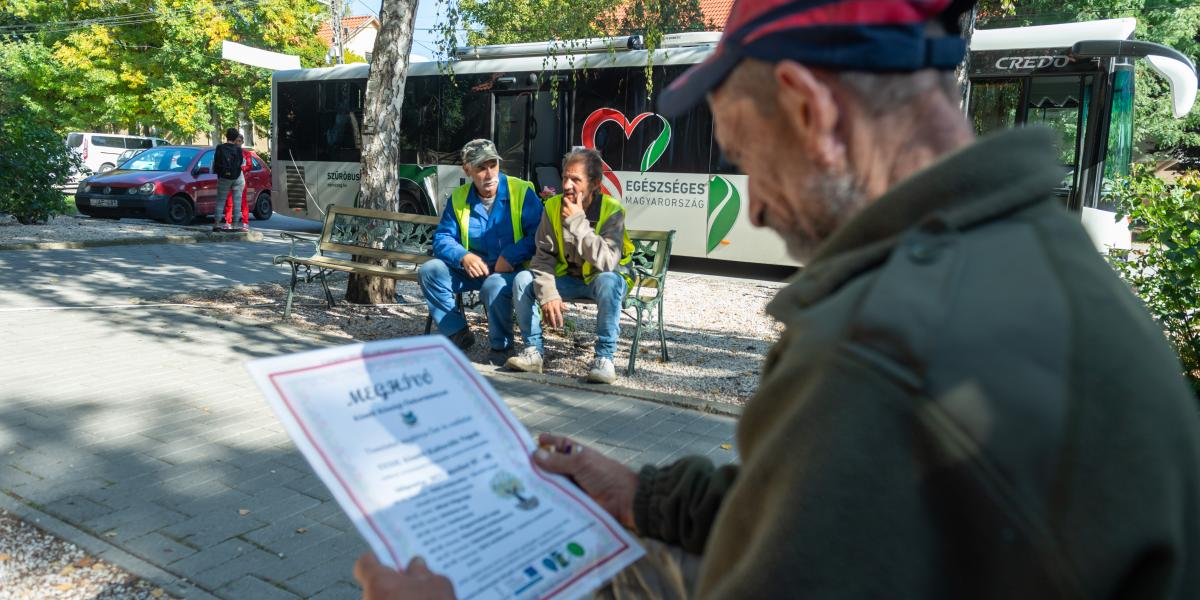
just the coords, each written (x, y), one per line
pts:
(848, 35)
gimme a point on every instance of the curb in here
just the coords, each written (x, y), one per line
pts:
(197, 238)
(687, 402)
(169, 582)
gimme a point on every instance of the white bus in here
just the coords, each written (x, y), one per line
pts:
(668, 172)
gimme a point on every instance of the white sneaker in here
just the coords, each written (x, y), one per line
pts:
(529, 360)
(602, 371)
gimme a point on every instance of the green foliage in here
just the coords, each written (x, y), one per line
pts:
(1165, 269)
(567, 21)
(1170, 22)
(150, 66)
(35, 161)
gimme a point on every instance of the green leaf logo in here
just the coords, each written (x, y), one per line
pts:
(656, 149)
(724, 203)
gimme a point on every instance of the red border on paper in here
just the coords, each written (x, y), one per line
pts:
(472, 376)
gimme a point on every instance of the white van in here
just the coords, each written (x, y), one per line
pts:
(100, 150)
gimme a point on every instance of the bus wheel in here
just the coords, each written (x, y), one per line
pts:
(180, 211)
(410, 203)
(262, 207)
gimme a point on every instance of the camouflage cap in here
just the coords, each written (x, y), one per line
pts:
(477, 152)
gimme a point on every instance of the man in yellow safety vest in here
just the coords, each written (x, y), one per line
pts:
(582, 249)
(481, 243)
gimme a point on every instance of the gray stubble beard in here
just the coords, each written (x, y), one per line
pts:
(841, 198)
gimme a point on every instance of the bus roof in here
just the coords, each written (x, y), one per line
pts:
(533, 57)
(1063, 35)
(691, 48)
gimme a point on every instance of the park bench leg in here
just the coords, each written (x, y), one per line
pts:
(458, 305)
(325, 284)
(287, 308)
(662, 335)
(637, 335)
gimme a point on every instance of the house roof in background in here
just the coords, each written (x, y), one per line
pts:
(354, 24)
(715, 12)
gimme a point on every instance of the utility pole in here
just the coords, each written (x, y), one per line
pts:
(338, 37)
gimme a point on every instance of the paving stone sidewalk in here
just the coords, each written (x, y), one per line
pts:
(140, 428)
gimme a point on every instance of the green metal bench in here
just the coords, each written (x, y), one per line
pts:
(651, 259)
(404, 240)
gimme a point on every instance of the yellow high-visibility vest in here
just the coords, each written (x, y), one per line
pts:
(516, 204)
(608, 207)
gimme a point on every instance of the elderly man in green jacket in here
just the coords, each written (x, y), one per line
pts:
(966, 402)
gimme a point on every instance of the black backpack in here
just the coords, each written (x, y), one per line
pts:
(228, 161)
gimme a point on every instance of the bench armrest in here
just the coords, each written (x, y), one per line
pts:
(640, 279)
(292, 238)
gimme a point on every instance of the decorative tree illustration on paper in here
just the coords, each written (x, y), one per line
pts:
(506, 485)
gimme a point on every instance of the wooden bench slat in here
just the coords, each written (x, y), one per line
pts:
(375, 253)
(646, 234)
(355, 267)
(382, 214)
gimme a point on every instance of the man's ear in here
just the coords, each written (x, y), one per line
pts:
(466, 171)
(807, 105)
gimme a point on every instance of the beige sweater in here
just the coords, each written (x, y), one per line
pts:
(581, 244)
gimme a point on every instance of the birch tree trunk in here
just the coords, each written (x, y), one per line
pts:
(967, 24)
(381, 133)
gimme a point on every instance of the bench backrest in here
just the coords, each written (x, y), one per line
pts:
(378, 234)
(651, 251)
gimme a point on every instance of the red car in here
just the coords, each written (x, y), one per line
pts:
(168, 183)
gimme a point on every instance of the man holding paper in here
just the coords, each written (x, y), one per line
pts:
(966, 402)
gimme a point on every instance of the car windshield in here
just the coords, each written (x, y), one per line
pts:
(162, 159)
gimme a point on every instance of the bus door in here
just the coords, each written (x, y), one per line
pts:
(511, 121)
(529, 129)
(1045, 87)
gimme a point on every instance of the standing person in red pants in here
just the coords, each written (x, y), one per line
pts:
(246, 165)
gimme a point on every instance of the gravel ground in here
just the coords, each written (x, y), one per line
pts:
(79, 228)
(35, 565)
(717, 332)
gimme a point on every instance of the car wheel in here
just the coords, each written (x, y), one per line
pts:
(106, 167)
(180, 211)
(262, 207)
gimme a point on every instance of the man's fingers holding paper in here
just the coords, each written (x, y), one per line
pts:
(608, 482)
(381, 583)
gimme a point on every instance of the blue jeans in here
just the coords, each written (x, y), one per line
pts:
(607, 289)
(440, 282)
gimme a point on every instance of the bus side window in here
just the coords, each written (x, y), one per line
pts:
(340, 120)
(598, 89)
(419, 120)
(464, 114)
(297, 114)
(994, 104)
(720, 164)
(690, 133)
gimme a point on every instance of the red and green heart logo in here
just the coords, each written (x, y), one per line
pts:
(654, 152)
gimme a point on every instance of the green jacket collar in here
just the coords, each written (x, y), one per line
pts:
(996, 175)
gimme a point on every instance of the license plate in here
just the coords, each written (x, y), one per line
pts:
(104, 202)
